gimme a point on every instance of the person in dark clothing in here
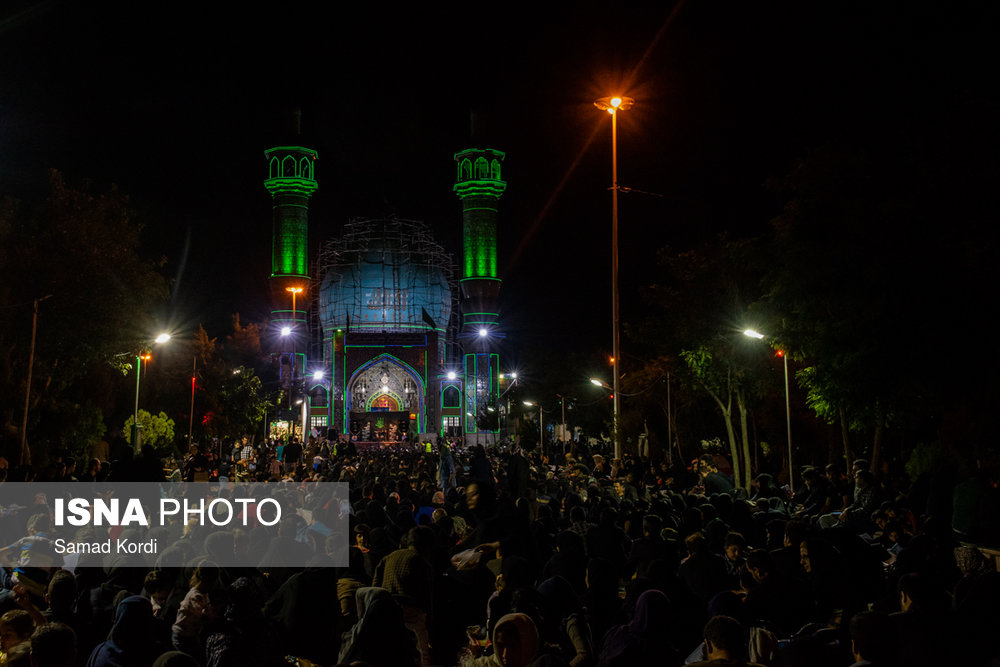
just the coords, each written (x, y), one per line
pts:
(569, 561)
(245, 638)
(640, 642)
(292, 454)
(816, 497)
(923, 625)
(53, 645)
(872, 641)
(725, 644)
(647, 548)
(129, 642)
(379, 637)
(713, 481)
(608, 541)
(703, 573)
(309, 622)
(773, 595)
(517, 475)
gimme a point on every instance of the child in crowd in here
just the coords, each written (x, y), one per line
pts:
(196, 610)
(15, 629)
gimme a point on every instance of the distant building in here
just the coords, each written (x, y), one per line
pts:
(384, 336)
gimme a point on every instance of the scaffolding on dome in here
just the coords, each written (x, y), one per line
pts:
(385, 275)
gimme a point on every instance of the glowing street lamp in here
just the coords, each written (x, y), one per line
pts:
(613, 105)
(295, 292)
(751, 333)
(160, 339)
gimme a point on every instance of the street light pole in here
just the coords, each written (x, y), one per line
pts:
(562, 402)
(135, 412)
(612, 105)
(751, 333)
(788, 423)
(162, 338)
(194, 374)
(24, 457)
(541, 430)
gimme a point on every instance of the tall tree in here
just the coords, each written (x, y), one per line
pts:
(84, 250)
(699, 304)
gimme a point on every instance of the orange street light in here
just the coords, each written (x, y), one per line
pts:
(613, 105)
(295, 292)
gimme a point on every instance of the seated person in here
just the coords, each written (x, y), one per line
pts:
(725, 644)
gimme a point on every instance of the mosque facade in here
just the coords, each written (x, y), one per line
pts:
(385, 335)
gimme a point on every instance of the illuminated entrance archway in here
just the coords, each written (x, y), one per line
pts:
(381, 396)
(383, 403)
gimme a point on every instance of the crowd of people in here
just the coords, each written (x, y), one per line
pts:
(495, 556)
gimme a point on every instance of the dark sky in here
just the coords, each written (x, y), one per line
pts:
(176, 102)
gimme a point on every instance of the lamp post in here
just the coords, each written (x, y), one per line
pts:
(194, 375)
(613, 105)
(162, 338)
(751, 333)
(24, 457)
(295, 292)
(562, 402)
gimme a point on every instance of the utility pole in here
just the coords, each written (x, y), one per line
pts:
(24, 457)
(194, 374)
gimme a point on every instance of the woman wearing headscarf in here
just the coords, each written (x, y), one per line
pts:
(380, 637)
(515, 643)
(641, 641)
(566, 625)
(129, 642)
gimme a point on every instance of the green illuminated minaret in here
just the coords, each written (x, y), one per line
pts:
(479, 186)
(291, 181)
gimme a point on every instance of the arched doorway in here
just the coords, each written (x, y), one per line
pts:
(382, 394)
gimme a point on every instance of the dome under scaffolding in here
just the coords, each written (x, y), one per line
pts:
(386, 275)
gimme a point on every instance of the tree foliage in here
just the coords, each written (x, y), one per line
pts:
(699, 308)
(83, 249)
(156, 430)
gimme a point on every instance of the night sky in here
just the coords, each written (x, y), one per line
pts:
(176, 103)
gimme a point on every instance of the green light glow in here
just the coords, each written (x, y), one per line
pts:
(482, 188)
(293, 186)
(291, 181)
(480, 245)
(292, 149)
(479, 186)
(289, 244)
